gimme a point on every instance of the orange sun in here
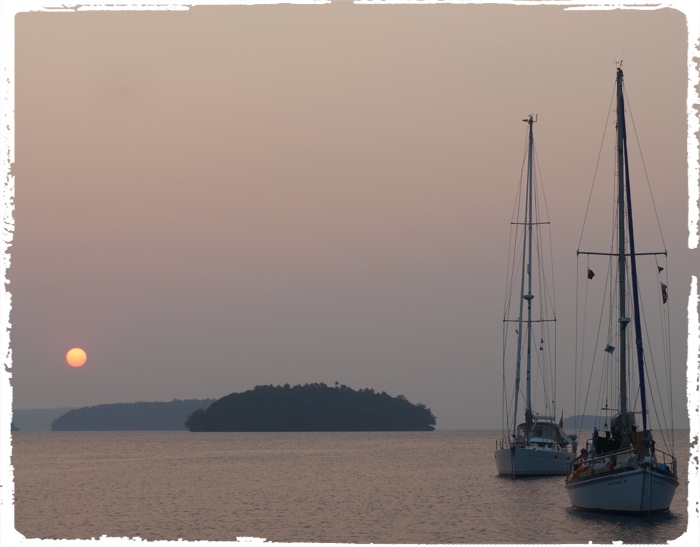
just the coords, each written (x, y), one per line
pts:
(76, 357)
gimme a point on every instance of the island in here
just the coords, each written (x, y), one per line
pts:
(311, 407)
(142, 416)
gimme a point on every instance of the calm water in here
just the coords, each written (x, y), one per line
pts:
(429, 487)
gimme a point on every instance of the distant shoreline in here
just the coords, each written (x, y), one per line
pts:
(40, 419)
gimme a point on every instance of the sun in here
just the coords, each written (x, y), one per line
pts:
(76, 357)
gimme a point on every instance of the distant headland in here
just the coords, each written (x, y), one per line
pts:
(165, 416)
(311, 407)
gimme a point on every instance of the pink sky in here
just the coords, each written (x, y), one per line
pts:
(223, 197)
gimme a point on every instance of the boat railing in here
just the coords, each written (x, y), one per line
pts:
(620, 459)
(668, 461)
(540, 442)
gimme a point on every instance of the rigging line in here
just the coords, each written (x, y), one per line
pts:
(545, 305)
(513, 253)
(517, 206)
(576, 346)
(504, 401)
(661, 419)
(547, 308)
(555, 367)
(644, 483)
(666, 350)
(505, 417)
(544, 358)
(644, 166)
(514, 242)
(507, 403)
(649, 360)
(633, 268)
(546, 289)
(526, 261)
(609, 299)
(667, 340)
(542, 368)
(513, 263)
(580, 355)
(509, 277)
(593, 360)
(541, 192)
(595, 172)
(614, 329)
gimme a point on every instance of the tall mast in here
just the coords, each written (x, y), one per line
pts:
(528, 296)
(624, 319)
(526, 270)
(635, 289)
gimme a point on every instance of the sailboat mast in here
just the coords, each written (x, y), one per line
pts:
(526, 269)
(528, 296)
(624, 319)
(635, 284)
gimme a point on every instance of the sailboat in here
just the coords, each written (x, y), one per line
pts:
(622, 470)
(538, 445)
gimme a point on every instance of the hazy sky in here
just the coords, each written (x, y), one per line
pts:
(212, 199)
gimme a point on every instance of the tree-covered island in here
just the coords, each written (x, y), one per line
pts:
(311, 407)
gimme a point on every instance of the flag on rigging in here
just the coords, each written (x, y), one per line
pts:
(664, 294)
(609, 348)
(590, 273)
(660, 269)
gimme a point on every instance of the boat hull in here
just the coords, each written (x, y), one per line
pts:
(639, 491)
(531, 460)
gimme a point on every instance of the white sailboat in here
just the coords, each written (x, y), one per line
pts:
(624, 471)
(538, 445)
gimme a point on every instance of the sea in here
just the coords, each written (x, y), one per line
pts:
(437, 487)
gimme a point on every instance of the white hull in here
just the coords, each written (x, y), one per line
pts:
(639, 491)
(532, 460)
(623, 472)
